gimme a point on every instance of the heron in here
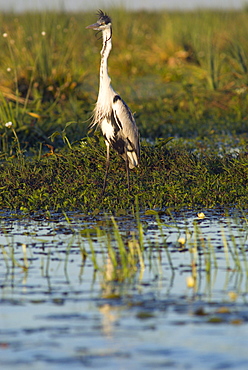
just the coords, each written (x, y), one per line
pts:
(111, 113)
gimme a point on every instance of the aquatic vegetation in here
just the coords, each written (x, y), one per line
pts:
(74, 278)
(170, 176)
(123, 250)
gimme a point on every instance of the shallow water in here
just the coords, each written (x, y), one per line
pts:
(59, 312)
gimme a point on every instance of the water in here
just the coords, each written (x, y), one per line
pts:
(60, 312)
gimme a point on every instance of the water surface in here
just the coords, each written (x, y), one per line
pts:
(59, 312)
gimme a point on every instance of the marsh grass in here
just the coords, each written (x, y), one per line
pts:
(122, 257)
(183, 74)
(168, 177)
(118, 266)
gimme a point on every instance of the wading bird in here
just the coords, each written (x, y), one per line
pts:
(111, 113)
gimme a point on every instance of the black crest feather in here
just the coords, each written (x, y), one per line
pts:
(103, 17)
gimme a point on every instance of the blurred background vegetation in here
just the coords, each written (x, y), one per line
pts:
(184, 74)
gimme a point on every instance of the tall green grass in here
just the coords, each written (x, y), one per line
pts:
(183, 73)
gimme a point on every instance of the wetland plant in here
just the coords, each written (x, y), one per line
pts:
(191, 88)
(121, 255)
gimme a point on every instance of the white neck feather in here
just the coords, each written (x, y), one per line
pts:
(105, 95)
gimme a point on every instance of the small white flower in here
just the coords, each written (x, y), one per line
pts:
(5, 34)
(240, 90)
(43, 33)
(8, 124)
(8, 69)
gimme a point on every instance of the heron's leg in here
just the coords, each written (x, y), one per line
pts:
(127, 169)
(107, 169)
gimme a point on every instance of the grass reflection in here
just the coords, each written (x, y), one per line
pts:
(164, 252)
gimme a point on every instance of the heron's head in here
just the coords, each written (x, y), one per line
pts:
(103, 23)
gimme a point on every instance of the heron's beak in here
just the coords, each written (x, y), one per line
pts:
(94, 26)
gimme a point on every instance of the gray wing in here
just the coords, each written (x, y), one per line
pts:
(126, 131)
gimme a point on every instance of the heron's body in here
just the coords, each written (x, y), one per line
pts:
(111, 113)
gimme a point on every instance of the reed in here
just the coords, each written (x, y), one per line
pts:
(121, 259)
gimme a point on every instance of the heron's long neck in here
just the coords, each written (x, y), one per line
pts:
(106, 48)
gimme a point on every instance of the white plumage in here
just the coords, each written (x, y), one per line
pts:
(111, 113)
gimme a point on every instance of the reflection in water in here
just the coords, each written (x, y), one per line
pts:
(109, 318)
(117, 295)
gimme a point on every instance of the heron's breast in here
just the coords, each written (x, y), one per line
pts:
(108, 130)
